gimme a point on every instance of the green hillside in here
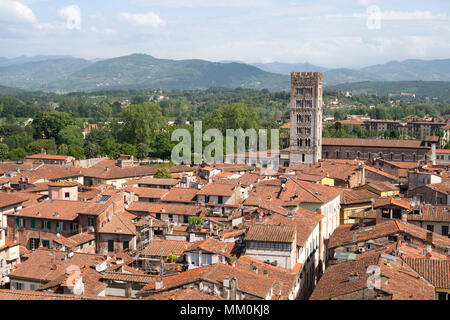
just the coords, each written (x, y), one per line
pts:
(37, 75)
(144, 71)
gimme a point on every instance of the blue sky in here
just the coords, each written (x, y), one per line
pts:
(330, 33)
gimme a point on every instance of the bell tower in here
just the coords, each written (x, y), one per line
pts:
(306, 117)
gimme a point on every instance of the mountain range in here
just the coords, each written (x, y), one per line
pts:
(66, 73)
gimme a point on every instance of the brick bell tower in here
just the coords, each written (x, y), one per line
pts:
(306, 117)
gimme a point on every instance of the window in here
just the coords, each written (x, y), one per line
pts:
(359, 155)
(46, 243)
(32, 223)
(110, 245)
(391, 156)
(20, 223)
(59, 226)
(445, 230)
(303, 157)
(348, 155)
(81, 246)
(442, 296)
(126, 245)
(414, 157)
(299, 130)
(67, 195)
(46, 225)
(220, 198)
(299, 142)
(299, 103)
(73, 226)
(430, 227)
(158, 216)
(185, 219)
(439, 200)
(18, 286)
(308, 103)
(299, 91)
(34, 243)
(91, 221)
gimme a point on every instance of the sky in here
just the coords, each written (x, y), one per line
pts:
(329, 33)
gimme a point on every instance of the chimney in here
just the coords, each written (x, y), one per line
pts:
(233, 289)
(158, 283)
(405, 217)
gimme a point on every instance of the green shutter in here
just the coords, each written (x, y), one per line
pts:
(125, 245)
(42, 224)
(49, 225)
(64, 226)
(17, 222)
(32, 223)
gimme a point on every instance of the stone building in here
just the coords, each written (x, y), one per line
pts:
(306, 117)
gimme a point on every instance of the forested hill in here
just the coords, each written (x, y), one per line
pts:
(423, 89)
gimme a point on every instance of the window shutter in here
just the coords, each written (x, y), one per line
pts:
(64, 226)
(42, 224)
(17, 222)
(49, 225)
(33, 223)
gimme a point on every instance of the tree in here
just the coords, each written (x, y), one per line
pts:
(63, 149)
(103, 112)
(42, 145)
(233, 116)
(142, 151)
(142, 122)
(91, 150)
(138, 99)
(4, 152)
(17, 154)
(48, 125)
(163, 146)
(76, 151)
(162, 173)
(70, 136)
(129, 149)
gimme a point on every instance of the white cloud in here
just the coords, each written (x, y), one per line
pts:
(405, 15)
(72, 15)
(15, 12)
(367, 3)
(148, 19)
(107, 31)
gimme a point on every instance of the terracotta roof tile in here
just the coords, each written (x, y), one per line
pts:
(271, 233)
